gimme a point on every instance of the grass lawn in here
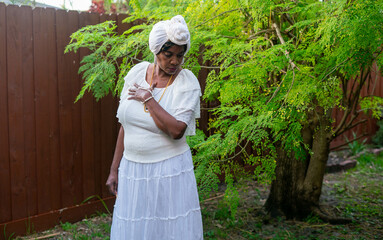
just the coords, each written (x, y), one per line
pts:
(355, 194)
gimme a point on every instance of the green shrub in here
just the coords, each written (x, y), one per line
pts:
(355, 146)
(377, 139)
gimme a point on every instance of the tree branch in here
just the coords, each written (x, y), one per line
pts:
(209, 199)
(210, 108)
(268, 39)
(288, 91)
(248, 17)
(288, 18)
(231, 37)
(351, 107)
(365, 109)
(290, 34)
(290, 21)
(222, 13)
(278, 31)
(356, 98)
(237, 154)
(375, 82)
(342, 122)
(207, 67)
(334, 69)
(351, 126)
(259, 33)
(281, 70)
(345, 144)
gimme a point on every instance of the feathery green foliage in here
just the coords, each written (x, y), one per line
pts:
(273, 63)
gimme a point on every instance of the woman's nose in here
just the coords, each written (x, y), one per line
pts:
(174, 60)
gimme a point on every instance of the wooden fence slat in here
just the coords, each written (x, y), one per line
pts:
(5, 184)
(76, 114)
(29, 108)
(122, 27)
(45, 88)
(15, 111)
(97, 145)
(108, 124)
(54, 122)
(67, 65)
(87, 115)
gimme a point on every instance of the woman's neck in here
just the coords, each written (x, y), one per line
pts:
(159, 73)
(159, 76)
(156, 75)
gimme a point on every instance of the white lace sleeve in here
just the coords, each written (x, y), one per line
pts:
(185, 116)
(186, 101)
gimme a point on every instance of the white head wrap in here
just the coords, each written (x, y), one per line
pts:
(174, 30)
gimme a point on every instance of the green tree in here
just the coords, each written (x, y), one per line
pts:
(278, 68)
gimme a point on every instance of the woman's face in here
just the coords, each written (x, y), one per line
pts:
(170, 60)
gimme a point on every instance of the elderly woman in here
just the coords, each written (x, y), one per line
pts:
(152, 170)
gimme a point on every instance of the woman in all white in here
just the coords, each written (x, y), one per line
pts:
(152, 170)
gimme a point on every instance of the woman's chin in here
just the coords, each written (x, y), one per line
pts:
(172, 70)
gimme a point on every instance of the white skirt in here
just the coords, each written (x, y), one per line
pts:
(157, 201)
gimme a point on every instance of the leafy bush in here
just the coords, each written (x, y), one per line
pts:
(365, 159)
(356, 146)
(377, 139)
(371, 160)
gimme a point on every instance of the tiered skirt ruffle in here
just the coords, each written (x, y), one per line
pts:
(157, 201)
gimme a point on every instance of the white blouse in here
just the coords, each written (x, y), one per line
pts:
(143, 141)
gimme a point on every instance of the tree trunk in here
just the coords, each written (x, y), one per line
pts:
(297, 188)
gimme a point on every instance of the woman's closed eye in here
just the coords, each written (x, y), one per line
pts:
(169, 55)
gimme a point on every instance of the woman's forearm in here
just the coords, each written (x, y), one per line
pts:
(164, 121)
(112, 181)
(118, 150)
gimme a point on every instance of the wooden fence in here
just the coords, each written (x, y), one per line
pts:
(55, 153)
(367, 129)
